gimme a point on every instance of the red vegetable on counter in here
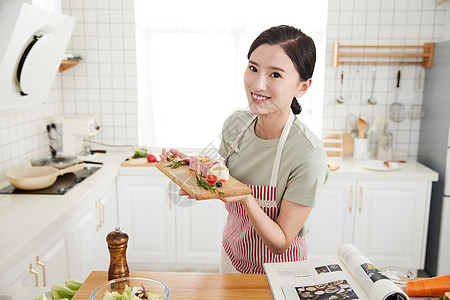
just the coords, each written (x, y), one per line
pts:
(151, 158)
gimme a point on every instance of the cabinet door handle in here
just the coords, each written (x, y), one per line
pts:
(350, 202)
(40, 263)
(360, 198)
(99, 225)
(35, 273)
(102, 216)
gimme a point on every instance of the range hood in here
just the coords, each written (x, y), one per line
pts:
(32, 44)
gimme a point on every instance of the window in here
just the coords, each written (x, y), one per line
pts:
(191, 57)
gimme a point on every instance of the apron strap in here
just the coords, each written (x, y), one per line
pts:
(234, 146)
(281, 142)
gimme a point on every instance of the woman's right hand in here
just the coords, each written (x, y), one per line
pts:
(184, 193)
(165, 154)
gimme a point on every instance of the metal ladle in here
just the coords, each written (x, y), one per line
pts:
(372, 100)
(340, 100)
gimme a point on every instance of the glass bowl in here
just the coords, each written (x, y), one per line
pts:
(398, 275)
(155, 290)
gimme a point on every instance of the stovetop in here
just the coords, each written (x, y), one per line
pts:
(62, 184)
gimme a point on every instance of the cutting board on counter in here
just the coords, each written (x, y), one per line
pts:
(137, 162)
(185, 179)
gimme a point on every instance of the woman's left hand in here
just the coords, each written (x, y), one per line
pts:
(242, 199)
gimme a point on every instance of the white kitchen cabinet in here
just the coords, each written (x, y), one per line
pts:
(44, 266)
(148, 218)
(89, 227)
(330, 224)
(386, 220)
(167, 229)
(199, 232)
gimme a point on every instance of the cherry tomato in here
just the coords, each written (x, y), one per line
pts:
(211, 178)
(151, 158)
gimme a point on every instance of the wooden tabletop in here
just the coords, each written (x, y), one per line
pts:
(189, 286)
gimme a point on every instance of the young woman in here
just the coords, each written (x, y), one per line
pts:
(274, 153)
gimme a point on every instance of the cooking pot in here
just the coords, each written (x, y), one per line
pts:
(37, 178)
(60, 161)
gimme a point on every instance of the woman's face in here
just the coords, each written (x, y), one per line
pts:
(272, 81)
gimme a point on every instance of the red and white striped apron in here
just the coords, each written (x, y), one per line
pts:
(245, 249)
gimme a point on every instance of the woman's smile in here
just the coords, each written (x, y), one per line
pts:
(257, 98)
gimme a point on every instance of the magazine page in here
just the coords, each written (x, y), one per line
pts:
(323, 278)
(375, 284)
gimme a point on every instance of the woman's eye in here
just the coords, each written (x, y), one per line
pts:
(252, 68)
(275, 75)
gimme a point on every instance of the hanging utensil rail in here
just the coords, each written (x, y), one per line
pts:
(426, 55)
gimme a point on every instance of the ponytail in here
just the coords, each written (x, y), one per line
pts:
(296, 107)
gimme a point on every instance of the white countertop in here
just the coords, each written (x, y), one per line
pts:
(350, 168)
(26, 220)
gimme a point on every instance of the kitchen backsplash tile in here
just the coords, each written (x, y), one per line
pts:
(407, 22)
(106, 86)
(103, 84)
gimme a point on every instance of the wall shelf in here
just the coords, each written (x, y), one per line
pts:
(67, 64)
(424, 58)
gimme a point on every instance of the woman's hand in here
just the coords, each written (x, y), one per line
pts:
(182, 192)
(243, 199)
(165, 154)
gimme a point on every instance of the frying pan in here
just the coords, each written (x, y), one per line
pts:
(37, 178)
(60, 161)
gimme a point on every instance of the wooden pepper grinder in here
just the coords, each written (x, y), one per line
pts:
(117, 246)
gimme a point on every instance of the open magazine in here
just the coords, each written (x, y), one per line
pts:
(350, 276)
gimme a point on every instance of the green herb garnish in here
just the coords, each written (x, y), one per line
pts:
(208, 186)
(176, 163)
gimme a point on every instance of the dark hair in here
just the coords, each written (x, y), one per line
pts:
(298, 46)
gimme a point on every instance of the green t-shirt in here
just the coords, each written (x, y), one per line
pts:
(303, 167)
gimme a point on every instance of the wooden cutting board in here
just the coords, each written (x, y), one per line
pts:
(137, 162)
(185, 179)
(346, 144)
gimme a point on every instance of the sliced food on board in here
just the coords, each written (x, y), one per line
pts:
(202, 177)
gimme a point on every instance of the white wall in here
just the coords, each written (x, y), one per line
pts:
(104, 83)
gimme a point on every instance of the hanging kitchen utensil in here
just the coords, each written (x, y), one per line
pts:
(372, 100)
(340, 100)
(397, 111)
(416, 111)
(353, 88)
(37, 178)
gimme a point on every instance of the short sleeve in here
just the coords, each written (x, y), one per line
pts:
(223, 148)
(307, 179)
